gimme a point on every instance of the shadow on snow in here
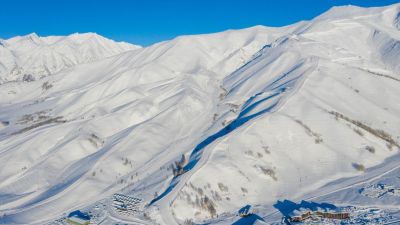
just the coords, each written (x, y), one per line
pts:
(249, 220)
(286, 207)
(196, 154)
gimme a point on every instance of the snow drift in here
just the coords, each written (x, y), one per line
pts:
(260, 115)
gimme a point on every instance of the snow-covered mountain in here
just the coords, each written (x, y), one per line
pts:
(199, 127)
(32, 57)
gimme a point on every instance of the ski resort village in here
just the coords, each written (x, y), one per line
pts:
(295, 124)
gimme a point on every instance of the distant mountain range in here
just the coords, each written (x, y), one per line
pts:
(32, 57)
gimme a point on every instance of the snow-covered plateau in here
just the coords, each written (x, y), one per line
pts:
(251, 126)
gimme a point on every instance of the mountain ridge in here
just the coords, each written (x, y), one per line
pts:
(34, 57)
(203, 125)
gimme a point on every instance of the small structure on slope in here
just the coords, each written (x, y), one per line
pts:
(78, 218)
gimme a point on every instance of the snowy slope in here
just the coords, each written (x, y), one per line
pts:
(31, 57)
(262, 115)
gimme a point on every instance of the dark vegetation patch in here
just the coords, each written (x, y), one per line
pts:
(317, 137)
(376, 132)
(42, 123)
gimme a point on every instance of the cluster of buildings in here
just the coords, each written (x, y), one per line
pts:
(302, 215)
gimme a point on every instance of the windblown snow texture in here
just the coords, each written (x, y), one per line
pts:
(202, 128)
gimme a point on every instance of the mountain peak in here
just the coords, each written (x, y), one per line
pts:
(32, 37)
(85, 35)
(353, 11)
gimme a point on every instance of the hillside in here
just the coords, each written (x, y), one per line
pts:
(201, 126)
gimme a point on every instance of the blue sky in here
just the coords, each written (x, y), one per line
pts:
(148, 21)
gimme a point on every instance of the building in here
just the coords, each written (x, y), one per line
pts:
(302, 215)
(334, 215)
